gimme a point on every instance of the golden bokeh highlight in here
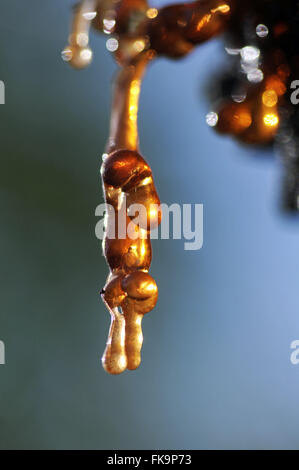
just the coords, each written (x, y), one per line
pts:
(271, 120)
(152, 13)
(269, 98)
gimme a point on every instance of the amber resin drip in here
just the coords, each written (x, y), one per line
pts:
(130, 292)
(140, 33)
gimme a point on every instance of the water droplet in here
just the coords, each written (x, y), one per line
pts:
(112, 44)
(212, 118)
(255, 76)
(239, 96)
(86, 55)
(77, 56)
(82, 39)
(67, 54)
(250, 53)
(89, 15)
(108, 25)
(262, 31)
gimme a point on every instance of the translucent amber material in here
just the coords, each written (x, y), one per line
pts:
(254, 120)
(77, 53)
(125, 169)
(136, 34)
(139, 285)
(114, 359)
(177, 28)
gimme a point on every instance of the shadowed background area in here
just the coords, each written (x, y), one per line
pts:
(216, 370)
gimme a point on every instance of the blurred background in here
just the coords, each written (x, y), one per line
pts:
(216, 370)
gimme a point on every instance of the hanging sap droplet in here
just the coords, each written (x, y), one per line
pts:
(212, 118)
(262, 31)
